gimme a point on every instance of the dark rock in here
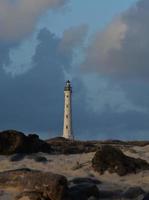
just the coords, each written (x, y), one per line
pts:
(92, 198)
(37, 158)
(33, 136)
(40, 159)
(146, 197)
(133, 192)
(116, 194)
(83, 191)
(61, 145)
(79, 180)
(17, 157)
(113, 160)
(49, 185)
(12, 142)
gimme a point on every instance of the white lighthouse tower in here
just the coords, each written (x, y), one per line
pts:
(67, 129)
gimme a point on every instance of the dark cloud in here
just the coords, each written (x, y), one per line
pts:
(137, 92)
(120, 53)
(4, 53)
(34, 100)
(122, 49)
(112, 125)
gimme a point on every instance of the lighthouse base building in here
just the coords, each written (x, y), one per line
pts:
(67, 128)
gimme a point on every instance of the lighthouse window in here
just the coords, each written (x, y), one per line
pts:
(66, 127)
(67, 116)
(67, 105)
(67, 96)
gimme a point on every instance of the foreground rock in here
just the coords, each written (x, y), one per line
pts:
(80, 180)
(133, 192)
(83, 191)
(40, 185)
(37, 185)
(112, 159)
(146, 197)
(17, 157)
(12, 142)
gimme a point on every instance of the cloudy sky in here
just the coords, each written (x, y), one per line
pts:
(102, 46)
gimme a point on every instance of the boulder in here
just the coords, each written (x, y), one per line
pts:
(146, 197)
(83, 191)
(92, 198)
(45, 184)
(14, 142)
(37, 157)
(17, 157)
(133, 192)
(79, 180)
(114, 194)
(112, 159)
(41, 159)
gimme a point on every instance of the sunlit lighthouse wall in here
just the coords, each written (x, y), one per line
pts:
(67, 129)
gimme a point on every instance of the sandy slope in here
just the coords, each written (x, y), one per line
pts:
(67, 165)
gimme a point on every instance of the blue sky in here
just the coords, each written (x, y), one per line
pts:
(101, 45)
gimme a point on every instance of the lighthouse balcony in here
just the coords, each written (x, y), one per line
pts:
(68, 88)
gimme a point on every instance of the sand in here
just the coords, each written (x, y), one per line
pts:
(80, 166)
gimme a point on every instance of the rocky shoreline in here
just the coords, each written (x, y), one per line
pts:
(60, 169)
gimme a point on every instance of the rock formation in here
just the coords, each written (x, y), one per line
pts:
(12, 142)
(61, 145)
(35, 183)
(38, 185)
(112, 159)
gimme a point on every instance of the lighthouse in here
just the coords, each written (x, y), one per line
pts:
(67, 129)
